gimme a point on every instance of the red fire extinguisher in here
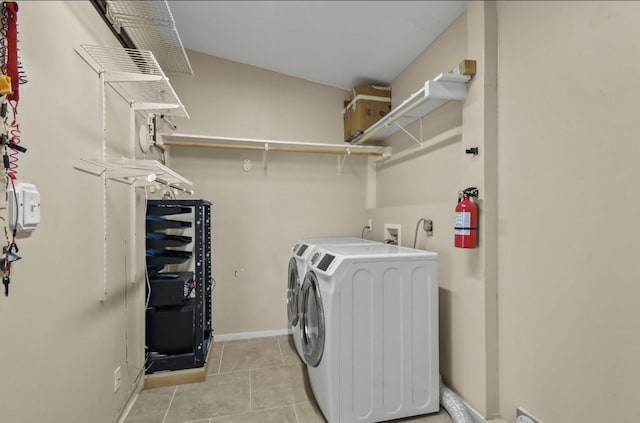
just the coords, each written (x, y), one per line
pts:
(466, 229)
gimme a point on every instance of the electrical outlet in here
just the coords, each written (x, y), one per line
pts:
(117, 378)
(523, 416)
(370, 225)
(428, 227)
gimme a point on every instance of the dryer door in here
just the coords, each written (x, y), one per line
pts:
(312, 320)
(293, 292)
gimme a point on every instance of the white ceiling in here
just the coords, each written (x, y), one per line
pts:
(337, 43)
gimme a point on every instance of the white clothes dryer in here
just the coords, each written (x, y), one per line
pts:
(298, 268)
(369, 325)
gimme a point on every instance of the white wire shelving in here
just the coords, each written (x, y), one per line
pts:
(150, 25)
(435, 93)
(136, 76)
(135, 172)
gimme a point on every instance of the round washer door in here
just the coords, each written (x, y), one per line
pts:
(293, 292)
(312, 320)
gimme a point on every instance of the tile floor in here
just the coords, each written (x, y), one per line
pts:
(260, 380)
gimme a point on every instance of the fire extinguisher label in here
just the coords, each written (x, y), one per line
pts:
(463, 223)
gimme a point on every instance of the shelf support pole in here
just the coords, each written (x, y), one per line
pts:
(103, 100)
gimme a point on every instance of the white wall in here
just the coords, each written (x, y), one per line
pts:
(62, 337)
(568, 124)
(257, 218)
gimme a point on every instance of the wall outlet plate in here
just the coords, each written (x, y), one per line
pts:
(428, 227)
(523, 416)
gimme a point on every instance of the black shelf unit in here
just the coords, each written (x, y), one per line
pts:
(178, 315)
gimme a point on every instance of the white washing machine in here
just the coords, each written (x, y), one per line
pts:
(298, 268)
(369, 324)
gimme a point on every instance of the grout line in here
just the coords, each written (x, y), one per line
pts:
(166, 413)
(304, 402)
(250, 407)
(281, 354)
(279, 407)
(221, 355)
(295, 413)
(262, 368)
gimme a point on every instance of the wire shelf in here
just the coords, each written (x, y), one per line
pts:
(136, 172)
(124, 60)
(150, 25)
(136, 76)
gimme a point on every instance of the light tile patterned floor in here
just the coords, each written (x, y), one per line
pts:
(260, 380)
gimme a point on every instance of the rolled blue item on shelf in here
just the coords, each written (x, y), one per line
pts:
(161, 257)
(162, 240)
(157, 223)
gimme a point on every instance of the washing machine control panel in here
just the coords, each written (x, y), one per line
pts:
(326, 262)
(322, 261)
(301, 250)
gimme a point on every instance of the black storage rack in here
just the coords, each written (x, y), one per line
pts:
(171, 316)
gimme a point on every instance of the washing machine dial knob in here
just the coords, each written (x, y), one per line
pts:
(315, 258)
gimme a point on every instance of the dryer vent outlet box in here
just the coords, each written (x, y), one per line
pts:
(25, 215)
(392, 233)
(523, 416)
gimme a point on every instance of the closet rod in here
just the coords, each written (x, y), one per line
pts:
(271, 147)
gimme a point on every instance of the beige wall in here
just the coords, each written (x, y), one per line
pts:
(568, 124)
(257, 218)
(62, 338)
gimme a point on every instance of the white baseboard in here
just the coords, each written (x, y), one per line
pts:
(247, 335)
(477, 417)
(132, 399)
(128, 408)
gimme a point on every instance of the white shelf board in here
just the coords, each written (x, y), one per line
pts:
(136, 76)
(434, 93)
(135, 172)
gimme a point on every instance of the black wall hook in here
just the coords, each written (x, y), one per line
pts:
(472, 150)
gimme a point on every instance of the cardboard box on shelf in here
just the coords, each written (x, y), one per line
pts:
(373, 90)
(362, 112)
(368, 103)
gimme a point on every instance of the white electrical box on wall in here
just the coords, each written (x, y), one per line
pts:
(393, 233)
(25, 215)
